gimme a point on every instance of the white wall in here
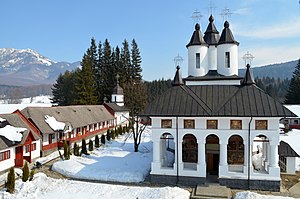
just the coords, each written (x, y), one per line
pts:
(6, 164)
(233, 49)
(192, 70)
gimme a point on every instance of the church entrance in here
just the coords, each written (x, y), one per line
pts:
(212, 151)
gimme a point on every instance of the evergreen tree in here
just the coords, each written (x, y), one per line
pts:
(83, 147)
(125, 69)
(97, 143)
(66, 150)
(85, 86)
(102, 139)
(108, 135)
(64, 89)
(91, 146)
(293, 95)
(136, 70)
(10, 183)
(31, 175)
(98, 74)
(25, 170)
(113, 134)
(76, 149)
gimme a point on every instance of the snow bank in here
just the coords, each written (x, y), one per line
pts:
(54, 124)
(114, 162)
(43, 187)
(49, 157)
(252, 195)
(12, 133)
(294, 108)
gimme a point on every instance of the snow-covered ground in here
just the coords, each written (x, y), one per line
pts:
(43, 187)
(116, 161)
(39, 101)
(252, 195)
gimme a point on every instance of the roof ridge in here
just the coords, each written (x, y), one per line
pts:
(199, 101)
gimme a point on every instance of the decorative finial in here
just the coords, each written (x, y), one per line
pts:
(226, 24)
(211, 19)
(178, 61)
(248, 57)
(196, 16)
(226, 13)
(197, 27)
(211, 7)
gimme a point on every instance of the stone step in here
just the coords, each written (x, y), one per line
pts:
(210, 191)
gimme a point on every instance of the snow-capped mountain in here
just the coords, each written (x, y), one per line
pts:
(27, 67)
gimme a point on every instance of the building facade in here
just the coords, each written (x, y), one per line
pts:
(206, 126)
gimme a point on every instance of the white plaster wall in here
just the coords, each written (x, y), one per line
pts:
(118, 98)
(6, 164)
(224, 133)
(214, 82)
(233, 49)
(212, 58)
(192, 70)
(35, 153)
(122, 118)
(290, 165)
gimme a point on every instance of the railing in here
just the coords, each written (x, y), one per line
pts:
(282, 166)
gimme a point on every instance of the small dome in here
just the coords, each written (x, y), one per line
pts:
(197, 27)
(226, 24)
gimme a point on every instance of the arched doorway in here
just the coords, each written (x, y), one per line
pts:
(167, 146)
(260, 153)
(212, 151)
(235, 153)
(189, 151)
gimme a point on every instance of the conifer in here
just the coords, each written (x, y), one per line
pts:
(10, 183)
(108, 135)
(25, 170)
(83, 147)
(91, 147)
(66, 150)
(293, 95)
(97, 143)
(103, 139)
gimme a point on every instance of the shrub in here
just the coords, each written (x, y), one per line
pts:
(97, 144)
(108, 135)
(91, 147)
(25, 170)
(10, 184)
(103, 139)
(31, 175)
(113, 134)
(83, 147)
(76, 149)
(66, 150)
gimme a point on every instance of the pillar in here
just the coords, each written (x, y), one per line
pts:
(201, 165)
(273, 155)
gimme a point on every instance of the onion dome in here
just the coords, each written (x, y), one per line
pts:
(197, 38)
(211, 35)
(227, 36)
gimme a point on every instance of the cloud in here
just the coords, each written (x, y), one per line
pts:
(271, 55)
(242, 11)
(284, 29)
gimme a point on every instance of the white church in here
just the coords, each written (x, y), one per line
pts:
(206, 126)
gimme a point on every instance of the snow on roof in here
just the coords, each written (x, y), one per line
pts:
(12, 133)
(54, 124)
(294, 108)
(292, 138)
(2, 120)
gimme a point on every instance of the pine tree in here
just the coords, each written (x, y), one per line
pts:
(108, 135)
(64, 89)
(102, 139)
(10, 183)
(125, 69)
(83, 147)
(136, 61)
(91, 146)
(97, 143)
(293, 95)
(31, 175)
(85, 85)
(76, 149)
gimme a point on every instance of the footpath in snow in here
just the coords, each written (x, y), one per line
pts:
(115, 161)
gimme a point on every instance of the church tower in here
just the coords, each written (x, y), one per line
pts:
(118, 94)
(197, 54)
(227, 53)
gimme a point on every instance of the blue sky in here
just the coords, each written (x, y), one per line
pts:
(61, 29)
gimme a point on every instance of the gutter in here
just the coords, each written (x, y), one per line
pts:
(249, 151)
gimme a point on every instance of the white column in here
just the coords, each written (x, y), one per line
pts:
(247, 155)
(156, 151)
(273, 156)
(180, 163)
(223, 154)
(201, 166)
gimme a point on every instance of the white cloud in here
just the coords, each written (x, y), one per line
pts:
(242, 11)
(271, 55)
(284, 29)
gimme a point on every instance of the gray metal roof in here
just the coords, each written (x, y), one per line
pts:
(211, 35)
(227, 36)
(197, 38)
(116, 108)
(16, 121)
(216, 100)
(118, 90)
(77, 116)
(285, 150)
(212, 75)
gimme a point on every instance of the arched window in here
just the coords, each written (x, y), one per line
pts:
(189, 149)
(167, 145)
(235, 150)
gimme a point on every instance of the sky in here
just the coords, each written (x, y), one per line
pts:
(62, 29)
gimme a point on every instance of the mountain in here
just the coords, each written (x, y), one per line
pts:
(27, 67)
(280, 70)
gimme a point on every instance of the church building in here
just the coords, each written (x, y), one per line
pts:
(207, 126)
